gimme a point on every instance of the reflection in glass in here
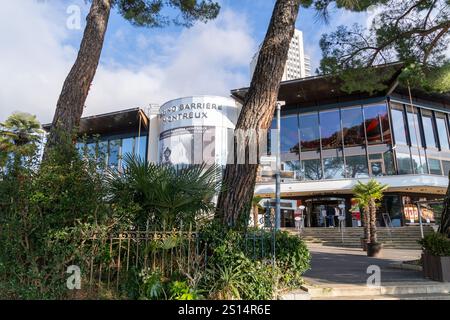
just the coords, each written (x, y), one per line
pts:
(289, 134)
(102, 152)
(442, 131)
(398, 124)
(404, 163)
(290, 169)
(311, 169)
(330, 129)
(333, 168)
(113, 156)
(389, 163)
(377, 123)
(435, 166)
(79, 146)
(414, 130)
(419, 164)
(127, 148)
(141, 146)
(352, 126)
(428, 129)
(91, 150)
(309, 131)
(356, 166)
(446, 167)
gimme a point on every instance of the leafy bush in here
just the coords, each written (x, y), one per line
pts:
(44, 212)
(292, 257)
(181, 290)
(236, 273)
(436, 244)
(168, 196)
(155, 286)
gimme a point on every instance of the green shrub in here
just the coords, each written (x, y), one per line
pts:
(155, 286)
(237, 272)
(292, 257)
(181, 290)
(436, 244)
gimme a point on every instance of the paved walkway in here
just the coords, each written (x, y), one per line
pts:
(349, 265)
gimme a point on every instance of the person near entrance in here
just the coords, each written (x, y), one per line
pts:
(330, 216)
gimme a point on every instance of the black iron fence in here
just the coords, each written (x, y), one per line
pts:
(106, 261)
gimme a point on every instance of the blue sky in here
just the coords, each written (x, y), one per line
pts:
(138, 66)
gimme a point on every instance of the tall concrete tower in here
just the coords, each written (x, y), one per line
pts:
(298, 64)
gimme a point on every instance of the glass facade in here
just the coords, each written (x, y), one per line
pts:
(368, 140)
(112, 151)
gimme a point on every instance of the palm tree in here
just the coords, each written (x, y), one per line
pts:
(368, 194)
(360, 195)
(169, 197)
(20, 135)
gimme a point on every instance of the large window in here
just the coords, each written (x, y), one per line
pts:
(414, 129)
(309, 131)
(333, 168)
(141, 146)
(435, 166)
(377, 123)
(442, 130)
(330, 129)
(418, 162)
(289, 134)
(333, 164)
(398, 124)
(290, 169)
(311, 169)
(356, 166)
(113, 155)
(428, 129)
(404, 163)
(353, 126)
(127, 148)
(445, 167)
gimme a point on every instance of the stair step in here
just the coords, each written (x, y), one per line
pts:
(434, 296)
(417, 288)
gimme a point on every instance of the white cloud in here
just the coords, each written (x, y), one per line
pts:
(205, 59)
(33, 57)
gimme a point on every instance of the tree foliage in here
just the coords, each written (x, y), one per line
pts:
(368, 195)
(168, 196)
(159, 13)
(20, 135)
(143, 13)
(412, 31)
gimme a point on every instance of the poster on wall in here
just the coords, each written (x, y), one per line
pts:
(411, 212)
(187, 145)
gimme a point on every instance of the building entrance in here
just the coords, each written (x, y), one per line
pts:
(324, 212)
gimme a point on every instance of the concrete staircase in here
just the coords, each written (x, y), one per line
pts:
(398, 238)
(423, 290)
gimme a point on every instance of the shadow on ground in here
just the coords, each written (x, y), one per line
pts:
(349, 266)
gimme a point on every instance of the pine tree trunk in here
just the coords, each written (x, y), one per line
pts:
(373, 219)
(69, 107)
(444, 226)
(258, 109)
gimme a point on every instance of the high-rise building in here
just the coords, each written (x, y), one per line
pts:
(298, 63)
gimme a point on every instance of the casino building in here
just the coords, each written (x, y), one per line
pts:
(330, 139)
